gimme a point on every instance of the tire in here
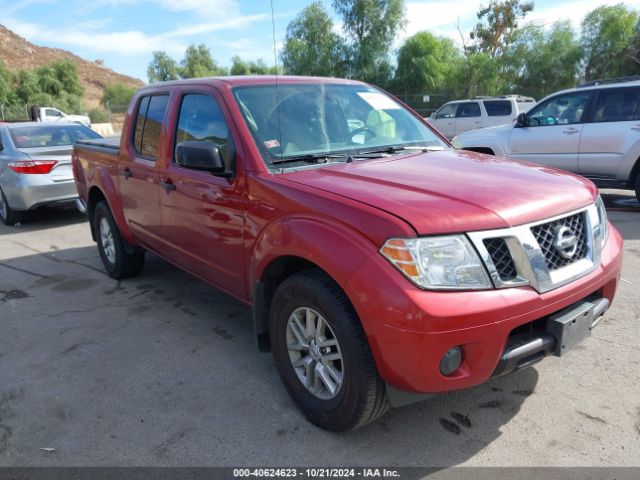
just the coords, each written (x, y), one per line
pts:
(8, 215)
(360, 396)
(637, 186)
(118, 258)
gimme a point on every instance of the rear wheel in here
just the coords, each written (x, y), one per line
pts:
(322, 354)
(637, 186)
(119, 259)
(7, 214)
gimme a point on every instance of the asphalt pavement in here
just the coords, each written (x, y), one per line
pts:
(162, 370)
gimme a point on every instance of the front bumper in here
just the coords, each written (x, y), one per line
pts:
(409, 330)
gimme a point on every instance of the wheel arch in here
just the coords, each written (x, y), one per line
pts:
(297, 244)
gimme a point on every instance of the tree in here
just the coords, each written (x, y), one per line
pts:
(542, 61)
(425, 64)
(311, 47)
(197, 62)
(239, 66)
(242, 67)
(607, 42)
(117, 95)
(497, 24)
(162, 68)
(371, 27)
(6, 85)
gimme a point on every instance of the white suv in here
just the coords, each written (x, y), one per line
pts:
(593, 130)
(459, 116)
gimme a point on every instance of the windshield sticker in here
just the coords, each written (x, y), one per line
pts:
(379, 101)
(271, 143)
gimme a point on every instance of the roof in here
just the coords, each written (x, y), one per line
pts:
(247, 80)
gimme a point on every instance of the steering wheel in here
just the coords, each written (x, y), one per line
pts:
(364, 130)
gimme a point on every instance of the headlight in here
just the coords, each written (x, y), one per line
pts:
(439, 263)
(603, 224)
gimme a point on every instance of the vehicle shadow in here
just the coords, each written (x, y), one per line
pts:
(45, 218)
(163, 370)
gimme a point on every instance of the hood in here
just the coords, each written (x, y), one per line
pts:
(454, 191)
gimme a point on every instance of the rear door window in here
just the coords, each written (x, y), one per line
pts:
(617, 105)
(468, 109)
(149, 120)
(498, 108)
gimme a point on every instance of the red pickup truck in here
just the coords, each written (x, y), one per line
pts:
(381, 264)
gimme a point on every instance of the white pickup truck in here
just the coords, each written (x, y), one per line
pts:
(459, 116)
(51, 114)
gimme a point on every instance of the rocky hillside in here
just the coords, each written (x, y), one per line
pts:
(16, 52)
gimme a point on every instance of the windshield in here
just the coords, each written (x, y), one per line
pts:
(50, 135)
(305, 122)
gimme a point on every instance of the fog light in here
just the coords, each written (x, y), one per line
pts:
(451, 361)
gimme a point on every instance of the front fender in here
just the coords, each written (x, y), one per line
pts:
(498, 147)
(332, 246)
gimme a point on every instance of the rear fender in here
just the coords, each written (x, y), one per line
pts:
(104, 182)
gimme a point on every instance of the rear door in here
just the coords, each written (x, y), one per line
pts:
(202, 214)
(499, 112)
(138, 172)
(468, 117)
(611, 130)
(553, 135)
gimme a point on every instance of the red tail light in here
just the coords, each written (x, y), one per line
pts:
(32, 166)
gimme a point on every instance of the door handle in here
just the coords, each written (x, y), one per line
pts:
(168, 185)
(635, 127)
(126, 173)
(570, 131)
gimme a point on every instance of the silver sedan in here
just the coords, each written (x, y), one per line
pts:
(35, 166)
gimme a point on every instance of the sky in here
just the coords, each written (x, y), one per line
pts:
(124, 33)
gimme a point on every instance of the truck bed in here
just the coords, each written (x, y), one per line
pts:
(110, 145)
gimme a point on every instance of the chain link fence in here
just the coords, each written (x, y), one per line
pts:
(423, 103)
(14, 112)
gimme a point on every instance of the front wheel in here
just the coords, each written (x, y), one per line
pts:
(322, 354)
(117, 257)
(637, 186)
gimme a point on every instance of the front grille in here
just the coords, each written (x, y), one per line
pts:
(501, 258)
(546, 234)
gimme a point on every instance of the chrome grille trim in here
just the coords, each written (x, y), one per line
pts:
(532, 266)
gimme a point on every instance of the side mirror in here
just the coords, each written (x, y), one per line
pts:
(522, 120)
(203, 156)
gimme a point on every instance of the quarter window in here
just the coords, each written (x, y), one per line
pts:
(617, 105)
(201, 119)
(151, 113)
(468, 109)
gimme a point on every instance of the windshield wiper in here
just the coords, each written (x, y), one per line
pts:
(401, 148)
(310, 157)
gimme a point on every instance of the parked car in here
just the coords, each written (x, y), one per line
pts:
(592, 130)
(459, 116)
(35, 166)
(51, 114)
(381, 264)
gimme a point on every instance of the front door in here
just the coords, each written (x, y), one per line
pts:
(553, 135)
(138, 173)
(202, 214)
